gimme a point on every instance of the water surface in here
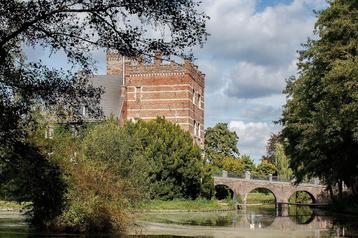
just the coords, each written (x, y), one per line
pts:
(296, 222)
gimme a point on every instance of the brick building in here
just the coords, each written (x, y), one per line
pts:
(135, 90)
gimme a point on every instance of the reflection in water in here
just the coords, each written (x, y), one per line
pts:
(301, 214)
(250, 217)
(260, 217)
(252, 222)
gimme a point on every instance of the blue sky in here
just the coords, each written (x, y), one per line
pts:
(250, 53)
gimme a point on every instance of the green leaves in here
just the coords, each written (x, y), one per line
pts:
(157, 156)
(220, 142)
(320, 118)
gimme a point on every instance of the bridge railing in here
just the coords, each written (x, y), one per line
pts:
(247, 175)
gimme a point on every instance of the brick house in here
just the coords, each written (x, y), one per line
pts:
(135, 90)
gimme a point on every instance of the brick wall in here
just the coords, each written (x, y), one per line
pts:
(175, 91)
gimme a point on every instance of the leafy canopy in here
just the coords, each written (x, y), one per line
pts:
(320, 119)
(220, 142)
(157, 156)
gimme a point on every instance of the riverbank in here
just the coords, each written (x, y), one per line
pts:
(7, 205)
(344, 208)
(187, 205)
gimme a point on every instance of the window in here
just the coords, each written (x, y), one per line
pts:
(195, 128)
(194, 96)
(199, 100)
(138, 93)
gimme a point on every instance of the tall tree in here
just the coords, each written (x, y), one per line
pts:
(282, 162)
(264, 169)
(220, 142)
(175, 165)
(320, 119)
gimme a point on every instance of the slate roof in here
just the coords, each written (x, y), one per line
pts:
(111, 98)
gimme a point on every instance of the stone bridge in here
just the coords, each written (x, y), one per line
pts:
(281, 190)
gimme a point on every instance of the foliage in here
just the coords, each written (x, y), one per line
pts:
(247, 162)
(300, 197)
(176, 166)
(98, 200)
(14, 205)
(233, 165)
(120, 151)
(282, 163)
(264, 169)
(220, 142)
(320, 119)
(157, 157)
(271, 147)
(99, 197)
(32, 177)
(76, 27)
(257, 196)
(223, 192)
(95, 199)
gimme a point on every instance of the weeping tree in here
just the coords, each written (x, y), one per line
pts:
(75, 28)
(320, 119)
(282, 162)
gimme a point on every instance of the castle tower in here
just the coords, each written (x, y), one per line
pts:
(169, 89)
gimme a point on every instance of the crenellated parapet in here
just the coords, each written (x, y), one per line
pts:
(140, 69)
(193, 70)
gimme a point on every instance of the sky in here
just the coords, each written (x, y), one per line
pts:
(251, 51)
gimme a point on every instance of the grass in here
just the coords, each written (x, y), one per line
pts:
(187, 205)
(12, 205)
(260, 198)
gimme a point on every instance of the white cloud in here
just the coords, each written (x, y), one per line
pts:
(251, 51)
(252, 81)
(269, 37)
(253, 136)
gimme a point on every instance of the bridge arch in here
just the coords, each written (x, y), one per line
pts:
(223, 191)
(304, 192)
(258, 189)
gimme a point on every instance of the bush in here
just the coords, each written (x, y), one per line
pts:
(98, 200)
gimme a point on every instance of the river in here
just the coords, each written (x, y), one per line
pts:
(260, 222)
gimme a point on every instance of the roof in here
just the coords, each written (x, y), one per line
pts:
(111, 98)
